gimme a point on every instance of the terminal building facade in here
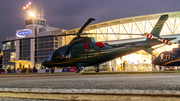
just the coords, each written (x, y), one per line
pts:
(32, 45)
(31, 49)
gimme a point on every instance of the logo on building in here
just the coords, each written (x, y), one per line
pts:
(23, 32)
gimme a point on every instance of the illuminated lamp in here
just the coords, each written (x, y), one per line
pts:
(99, 44)
(106, 43)
(32, 14)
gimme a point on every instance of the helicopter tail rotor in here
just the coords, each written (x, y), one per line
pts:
(150, 36)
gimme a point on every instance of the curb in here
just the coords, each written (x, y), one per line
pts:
(90, 91)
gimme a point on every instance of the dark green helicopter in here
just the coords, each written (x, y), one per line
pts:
(84, 51)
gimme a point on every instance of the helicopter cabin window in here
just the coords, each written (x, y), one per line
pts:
(161, 56)
(68, 55)
(92, 40)
(168, 56)
(61, 55)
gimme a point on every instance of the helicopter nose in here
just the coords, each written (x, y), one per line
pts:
(155, 60)
(45, 63)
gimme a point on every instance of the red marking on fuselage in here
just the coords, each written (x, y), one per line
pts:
(84, 39)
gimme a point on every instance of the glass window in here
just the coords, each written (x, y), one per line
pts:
(7, 45)
(56, 44)
(28, 22)
(46, 45)
(161, 56)
(26, 41)
(6, 55)
(12, 55)
(14, 43)
(26, 47)
(49, 58)
(168, 56)
(43, 22)
(4, 46)
(35, 21)
(20, 41)
(26, 54)
(45, 52)
(61, 55)
(39, 22)
(68, 56)
(45, 39)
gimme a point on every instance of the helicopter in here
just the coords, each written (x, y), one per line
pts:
(168, 58)
(84, 51)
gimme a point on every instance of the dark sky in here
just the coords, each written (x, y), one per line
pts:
(70, 14)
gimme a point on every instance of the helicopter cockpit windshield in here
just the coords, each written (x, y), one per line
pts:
(49, 58)
(53, 55)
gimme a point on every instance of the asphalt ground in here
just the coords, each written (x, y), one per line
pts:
(100, 85)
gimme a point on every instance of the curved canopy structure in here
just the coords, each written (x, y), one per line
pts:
(106, 31)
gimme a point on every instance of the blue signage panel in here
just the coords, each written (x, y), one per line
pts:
(24, 32)
(65, 70)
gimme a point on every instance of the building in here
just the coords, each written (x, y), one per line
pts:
(32, 45)
(35, 43)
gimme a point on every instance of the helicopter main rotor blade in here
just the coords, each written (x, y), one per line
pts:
(85, 25)
(100, 33)
(113, 33)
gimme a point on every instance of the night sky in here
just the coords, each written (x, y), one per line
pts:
(70, 14)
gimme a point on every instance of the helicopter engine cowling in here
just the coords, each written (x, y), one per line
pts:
(159, 39)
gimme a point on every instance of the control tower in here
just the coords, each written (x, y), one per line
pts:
(32, 45)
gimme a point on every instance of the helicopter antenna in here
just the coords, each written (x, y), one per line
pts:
(85, 25)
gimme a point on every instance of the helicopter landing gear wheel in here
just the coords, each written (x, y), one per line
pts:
(78, 70)
(52, 70)
(97, 69)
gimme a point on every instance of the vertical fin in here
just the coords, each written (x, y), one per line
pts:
(159, 25)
